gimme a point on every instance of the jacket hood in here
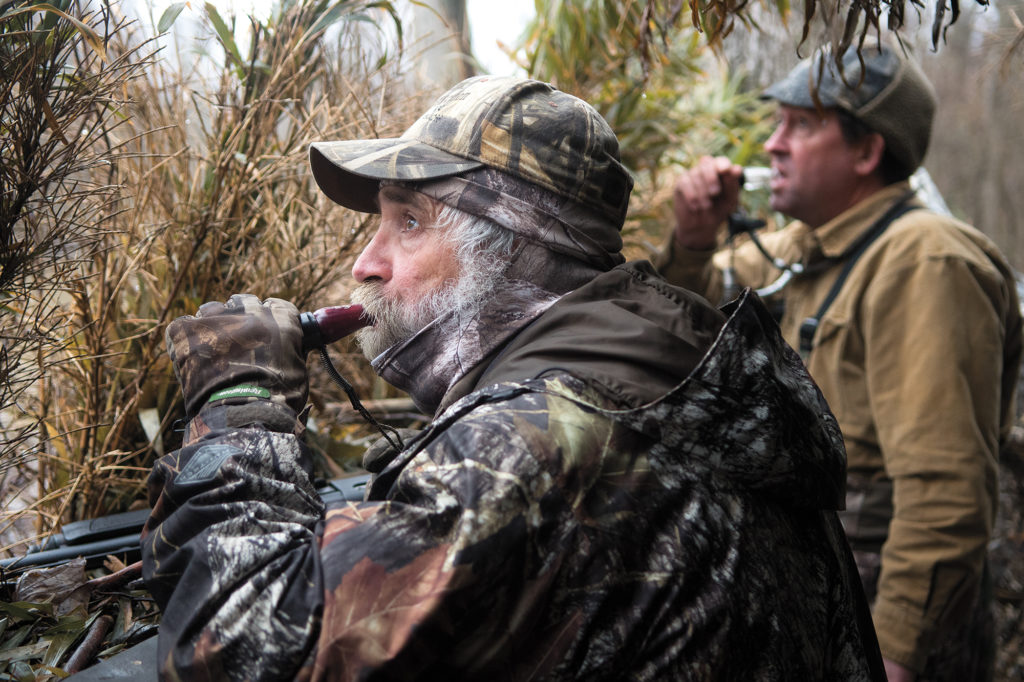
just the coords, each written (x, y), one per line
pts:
(757, 416)
(628, 332)
(715, 388)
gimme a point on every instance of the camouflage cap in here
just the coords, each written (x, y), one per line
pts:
(881, 86)
(519, 126)
(534, 213)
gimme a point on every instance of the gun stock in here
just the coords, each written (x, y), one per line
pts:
(120, 534)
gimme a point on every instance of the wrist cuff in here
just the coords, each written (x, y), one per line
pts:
(253, 413)
(240, 391)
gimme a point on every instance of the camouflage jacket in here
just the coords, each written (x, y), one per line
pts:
(558, 526)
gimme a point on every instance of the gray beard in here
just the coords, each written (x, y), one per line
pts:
(397, 321)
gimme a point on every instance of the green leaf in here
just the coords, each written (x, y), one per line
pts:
(24, 610)
(15, 640)
(90, 36)
(22, 671)
(329, 17)
(58, 646)
(63, 635)
(227, 40)
(169, 16)
(27, 652)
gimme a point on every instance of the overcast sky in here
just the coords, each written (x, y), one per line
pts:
(494, 20)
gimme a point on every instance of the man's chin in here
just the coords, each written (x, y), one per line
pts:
(779, 201)
(372, 342)
(389, 329)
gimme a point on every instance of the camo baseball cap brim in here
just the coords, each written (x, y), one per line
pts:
(879, 85)
(519, 126)
(350, 172)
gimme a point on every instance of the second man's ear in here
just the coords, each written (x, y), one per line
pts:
(872, 149)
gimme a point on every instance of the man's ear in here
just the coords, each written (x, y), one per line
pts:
(869, 157)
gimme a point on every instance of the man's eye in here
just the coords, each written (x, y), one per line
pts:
(410, 223)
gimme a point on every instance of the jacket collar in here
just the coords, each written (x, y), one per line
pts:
(833, 238)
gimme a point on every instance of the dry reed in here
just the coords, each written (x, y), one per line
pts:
(135, 189)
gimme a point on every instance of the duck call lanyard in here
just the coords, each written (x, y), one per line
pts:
(850, 255)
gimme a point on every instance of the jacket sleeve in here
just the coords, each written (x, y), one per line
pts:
(258, 582)
(701, 271)
(452, 571)
(229, 553)
(690, 269)
(933, 336)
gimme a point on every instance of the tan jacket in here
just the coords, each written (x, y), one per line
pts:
(918, 358)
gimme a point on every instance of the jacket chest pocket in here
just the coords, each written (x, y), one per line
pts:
(836, 362)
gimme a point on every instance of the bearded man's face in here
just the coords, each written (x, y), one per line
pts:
(410, 273)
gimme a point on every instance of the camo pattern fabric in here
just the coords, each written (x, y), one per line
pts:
(234, 564)
(539, 215)
(245, 344)
(530, 532)
(533, 131)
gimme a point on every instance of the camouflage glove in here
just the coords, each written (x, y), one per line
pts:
(239, 352)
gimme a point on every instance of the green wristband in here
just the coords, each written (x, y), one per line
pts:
(240, 391)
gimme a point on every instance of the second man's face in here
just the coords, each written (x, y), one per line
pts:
(812, 165)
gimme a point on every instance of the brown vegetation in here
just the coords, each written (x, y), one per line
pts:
(135, 190)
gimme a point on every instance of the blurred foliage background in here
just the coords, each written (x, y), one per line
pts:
(150, 164)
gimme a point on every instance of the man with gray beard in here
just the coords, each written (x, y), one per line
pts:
(481, 250)
(619, 481)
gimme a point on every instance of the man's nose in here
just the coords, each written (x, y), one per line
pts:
(372, 262)
(776, 143)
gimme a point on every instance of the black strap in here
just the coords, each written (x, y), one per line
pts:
(852, 254)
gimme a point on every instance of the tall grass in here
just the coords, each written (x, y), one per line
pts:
(59, 113)
(151, 189)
